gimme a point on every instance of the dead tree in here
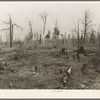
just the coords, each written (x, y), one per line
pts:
(63, 42)
(11, 25)
(87, 21)
(30, 25)
(44, 19)
(31, 31)
(78, 40)
(73, 37)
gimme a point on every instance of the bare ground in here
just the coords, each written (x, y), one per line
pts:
(20, 70)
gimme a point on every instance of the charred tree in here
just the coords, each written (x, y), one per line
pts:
(30, 32)
(11, 25)
(78, 42)
(44, 19)
(87, 21)
(76, 30)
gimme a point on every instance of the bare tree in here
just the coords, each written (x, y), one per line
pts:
(44, 19)
(62, 36)
(31, 31)
(87, 22)
(78, 41)
(76, 30)
(30, 25)
(73, 37)
(11, 25)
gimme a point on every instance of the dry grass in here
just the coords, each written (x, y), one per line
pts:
(19, 73)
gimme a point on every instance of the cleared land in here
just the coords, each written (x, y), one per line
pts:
(20, 70)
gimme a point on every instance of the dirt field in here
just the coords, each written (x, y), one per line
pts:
(20, 70)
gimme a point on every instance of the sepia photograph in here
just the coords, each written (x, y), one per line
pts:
(50, 45)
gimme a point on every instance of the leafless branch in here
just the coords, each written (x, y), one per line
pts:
(4, 29)
(17, 26)
(44, 19)
(4, 22)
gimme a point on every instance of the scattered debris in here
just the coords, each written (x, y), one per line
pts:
(66, 77)
(65, 80)
(40, 68)
(69, 71)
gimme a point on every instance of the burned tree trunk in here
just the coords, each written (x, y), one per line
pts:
(44, 19)
(86, 21)
(10, 31)
(78, 43)
(11, 25)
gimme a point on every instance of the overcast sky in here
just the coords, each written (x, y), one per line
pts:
(65, 12)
